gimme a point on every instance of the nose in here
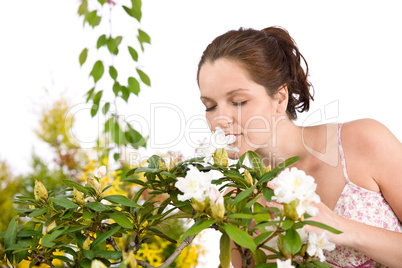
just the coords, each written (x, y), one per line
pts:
(223, 119)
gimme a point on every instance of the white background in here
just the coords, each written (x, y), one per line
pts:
(353, 49)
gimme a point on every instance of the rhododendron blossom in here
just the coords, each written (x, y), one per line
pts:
(316, 245)
(293, 184)
(195, 185)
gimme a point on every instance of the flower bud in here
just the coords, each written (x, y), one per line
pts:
(221, 157)
(95, 184)
(87, 244)
(40, 192)
(97, 264)
(130, 260)
(290, 210)
(51, 227)
(281, 247)
(200, 206)
(171, 164)
(217, 204)
(162, 164)
(78, 198)
(268, 169)
(248, 177)
(100, 172)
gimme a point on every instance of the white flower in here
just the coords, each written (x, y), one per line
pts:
(195, 185)
(292, 184)
(284, 264)
(305, 204)
(217, 140)
(316, 245)
(303, 235)
(100, 172)
(97, 264)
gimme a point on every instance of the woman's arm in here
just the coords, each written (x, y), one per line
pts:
(373, 150)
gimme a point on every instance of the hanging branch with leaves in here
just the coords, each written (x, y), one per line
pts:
(121, 133)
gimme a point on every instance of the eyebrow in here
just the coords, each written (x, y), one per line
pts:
(227, 94)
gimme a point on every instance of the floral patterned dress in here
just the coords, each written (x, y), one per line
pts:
(362, 205)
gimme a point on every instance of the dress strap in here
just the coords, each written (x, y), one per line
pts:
(341, 154)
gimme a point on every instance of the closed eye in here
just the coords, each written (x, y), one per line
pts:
(210, 108)
(239, 103)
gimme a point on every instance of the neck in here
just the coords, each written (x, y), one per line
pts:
(286, 141)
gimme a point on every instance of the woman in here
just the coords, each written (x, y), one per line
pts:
(252, 84)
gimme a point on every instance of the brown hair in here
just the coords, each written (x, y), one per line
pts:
(270, 57)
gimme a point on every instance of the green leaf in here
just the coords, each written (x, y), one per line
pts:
(292, 241)
(83, 8)
(92, 18)
(64, 202)
(225, 255)
(109, 254)
(135, 138)
(267, 177)
(116, 88)
(256, 162)
(144, 77)
(113, 44)
(83, 56)
(102, 237)
(143, 37)
(98, 97)
(135, 11)
(262, 237)
(133, 53)
(285, 164)
(10, 236)
(38, 212)
(244, 194)
(89, 254)
(101, 41)
(97, 206)
(94, 109)
(196, 228)
(76, 185)
(90, 94)
(47, 240)
(287, 224)
(106, 108)
(97, 71)
(120, 219)
(116, 133)
(28, 233)
(260, 257)
(240, 237)
(241, 216)
(113, 72)
(133, 85)
(322, 226)
(102, 2)
(268, 194)
(123, 200)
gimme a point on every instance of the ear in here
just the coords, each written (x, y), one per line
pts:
(281, 99)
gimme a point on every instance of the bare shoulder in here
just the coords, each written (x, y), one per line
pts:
(377, 153)
(368, 135)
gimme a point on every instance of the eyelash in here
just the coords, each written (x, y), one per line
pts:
(234, 103)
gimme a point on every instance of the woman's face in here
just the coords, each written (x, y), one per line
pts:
(236, 104)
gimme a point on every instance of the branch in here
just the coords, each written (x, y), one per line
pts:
(113, 243)
(178, 250)
(145, 264)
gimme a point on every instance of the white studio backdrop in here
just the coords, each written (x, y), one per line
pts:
(353, 49)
